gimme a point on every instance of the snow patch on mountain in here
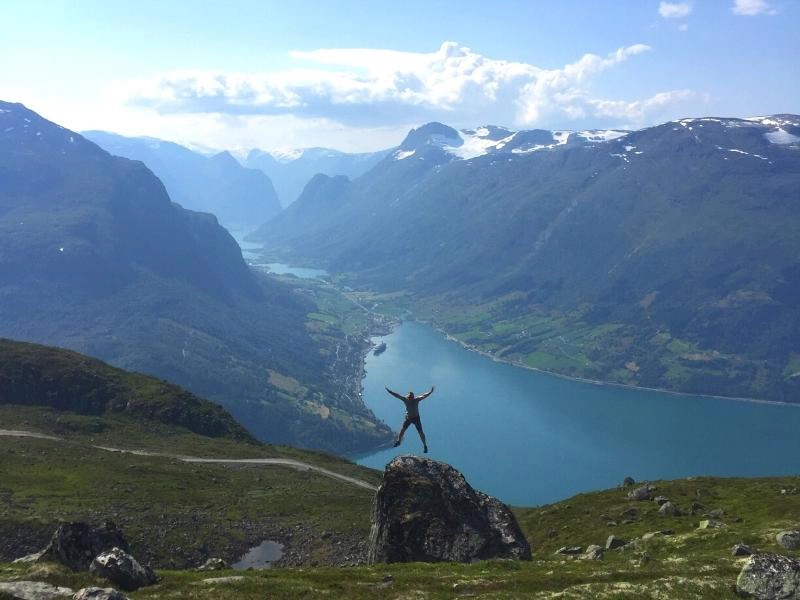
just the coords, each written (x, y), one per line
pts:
(781, 136)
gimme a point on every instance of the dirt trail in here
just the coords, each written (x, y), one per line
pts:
(286, 462)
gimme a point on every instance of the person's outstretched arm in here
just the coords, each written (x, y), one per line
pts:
(395, 394)
(426, 394)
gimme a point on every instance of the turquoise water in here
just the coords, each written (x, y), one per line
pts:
(530, 438)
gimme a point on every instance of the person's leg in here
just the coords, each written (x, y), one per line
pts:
(418, 425)
(400, 435)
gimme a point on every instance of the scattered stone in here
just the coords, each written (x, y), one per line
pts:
(33, 590)
(789, 539)
(552, 533)
(388, 579)
(611, 523)
(668, 509)
(98, 593)
(710, 524)
(644, 558)
(640, 493)
(656, 534)
(628, 482)
(741, 550)
(214, 564)
(629, 513)
(661, 500)
(770, 577)
(717, 514)
(789, 491)
(570, 550)
(425, 511)
(74, 545)
(613, 542)
(697, 508)
(121, 568)
(222, 580)
(593, 552)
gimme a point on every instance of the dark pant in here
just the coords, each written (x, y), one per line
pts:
(417, 423)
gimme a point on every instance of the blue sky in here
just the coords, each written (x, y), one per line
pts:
(357, 75)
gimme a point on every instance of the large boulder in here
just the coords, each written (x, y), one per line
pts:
(426, 511)
(770, 577)
(76, 544)
(121, 568)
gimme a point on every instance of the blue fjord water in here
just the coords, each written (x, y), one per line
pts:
(530, 438)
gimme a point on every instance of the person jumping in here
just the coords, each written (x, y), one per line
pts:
(412, 415)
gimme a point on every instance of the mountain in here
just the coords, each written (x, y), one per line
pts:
(291, 171)
(665, 257)
(240, 198)
(95, 257)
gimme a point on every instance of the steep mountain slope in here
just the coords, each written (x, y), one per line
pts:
(95, 257)
(668, 255)
(291, 171)
(240, 198)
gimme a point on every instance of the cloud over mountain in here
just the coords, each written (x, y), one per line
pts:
(367, 87)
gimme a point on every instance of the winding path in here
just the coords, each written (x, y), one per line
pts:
(286, 462)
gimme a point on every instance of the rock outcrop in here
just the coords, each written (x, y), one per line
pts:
(770, 577)
(98, 593)
(121, 568)
(75, 545)
(33, 590)
(426, 511)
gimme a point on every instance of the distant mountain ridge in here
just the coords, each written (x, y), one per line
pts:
(241, 198)
(95, 257)
(291, 171)
(682, 238)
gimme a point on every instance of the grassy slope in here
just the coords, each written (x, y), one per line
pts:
(208, 504)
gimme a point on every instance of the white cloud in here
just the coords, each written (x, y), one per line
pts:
(674, 10)
(374, 88)
(636, 112)
(750, 8)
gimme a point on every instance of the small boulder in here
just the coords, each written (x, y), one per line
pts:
(656, 534)
(613, 542)
(640, 493)
(770, 577)
(593, 552)
(98, 593)
(33, 590)
(570, 550)
(741, 550)
(668, 509)
(214, 564)
(628, 482)
(74, 545)
(660, 500)
(629, 513)
(717, 514)
(425, 511)
(709, 524)
(122, 569)
(789, 539)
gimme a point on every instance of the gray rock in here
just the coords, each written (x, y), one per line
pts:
(593, 552)
(33, 590)
(741, 550)
(628, 482)
(629, 513)
(570, 550)
(122, 569)
(214, 564)
(640, 493)
(74, 545)
(668, 509)
(656, 534)
(710, 524)
(426, 511)
(644, 558)
(770, 577)
(789, 539)
(221, 580)
(613, 542)
(661, 500)
(717, 514)
(98, 593)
